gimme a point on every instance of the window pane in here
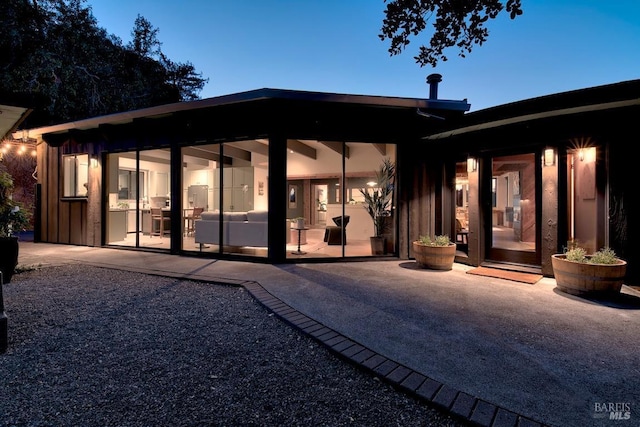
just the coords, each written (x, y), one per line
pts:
(462, 208)
(82, 181)
(245, 209)
(75, 175)
(231, 176)
(362, 169)
(314, 192)
(154, 191)
(513, 217)
(69, 177)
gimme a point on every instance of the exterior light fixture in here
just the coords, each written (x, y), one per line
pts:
(549, 157)
(472, 164)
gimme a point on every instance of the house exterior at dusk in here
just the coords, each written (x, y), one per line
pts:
(224, 177)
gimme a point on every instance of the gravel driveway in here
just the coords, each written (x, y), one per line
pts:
(99, 347)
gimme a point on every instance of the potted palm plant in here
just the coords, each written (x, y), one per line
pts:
(437, 253)
(13, 219)
(578, 273)
(378, 202)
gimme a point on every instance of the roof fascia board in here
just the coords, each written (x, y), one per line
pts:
(15, 115)
(534, 116)
(255, 95)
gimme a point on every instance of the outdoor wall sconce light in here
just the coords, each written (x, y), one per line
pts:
(549, 157)
(93, 162)
(472, 164)
(581, 155)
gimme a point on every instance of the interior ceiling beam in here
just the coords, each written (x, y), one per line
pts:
(250, 145)
(300, 148)
(382, 148)
(153, 159)
(190, 161)
(229, 151)
(201, 154)
(155, 156)
(337, 147)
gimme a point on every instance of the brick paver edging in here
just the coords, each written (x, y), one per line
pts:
(458, 403)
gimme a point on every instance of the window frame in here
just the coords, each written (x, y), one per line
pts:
(71, 178)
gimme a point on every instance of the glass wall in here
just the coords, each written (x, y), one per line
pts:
(326, 182)
(314, 198)
(138, 194)
(363, 188)
(225, 198)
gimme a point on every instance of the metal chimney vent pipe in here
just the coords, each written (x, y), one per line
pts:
(433, 80)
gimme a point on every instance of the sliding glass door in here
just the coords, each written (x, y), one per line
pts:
(326, 183)
(138, 194)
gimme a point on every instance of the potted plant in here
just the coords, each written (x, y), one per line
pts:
(298, 222)
(435, 253)
(378, 203)
(577, 273)
(13, 219)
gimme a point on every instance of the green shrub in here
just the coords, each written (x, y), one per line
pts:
(13, 217)
(603, 256)
(576, 254)
(440, 240)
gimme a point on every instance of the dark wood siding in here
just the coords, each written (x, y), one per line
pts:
(64, 220)
(418, 196)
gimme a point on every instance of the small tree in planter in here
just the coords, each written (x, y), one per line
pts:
(580, 274)
(13, 219)
(378, 203)
(437, 253)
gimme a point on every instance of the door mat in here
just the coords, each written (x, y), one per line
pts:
(516, 276)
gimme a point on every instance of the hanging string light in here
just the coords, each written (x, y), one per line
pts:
(19, 147)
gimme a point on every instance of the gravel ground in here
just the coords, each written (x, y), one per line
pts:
(98, 347)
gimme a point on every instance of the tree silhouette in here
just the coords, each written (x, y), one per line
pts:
(456, 23)
(73, 69)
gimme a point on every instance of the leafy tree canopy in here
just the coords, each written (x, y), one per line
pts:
(55, 53)
(456, 23)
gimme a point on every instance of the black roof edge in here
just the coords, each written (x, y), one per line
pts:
(619, 91)
(615, 95)
(256, 95)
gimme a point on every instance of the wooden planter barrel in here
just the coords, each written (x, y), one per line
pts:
(578, 278)
(434, 257)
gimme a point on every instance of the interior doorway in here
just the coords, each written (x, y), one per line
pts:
(320, 192)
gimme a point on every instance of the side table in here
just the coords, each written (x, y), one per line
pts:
(300, 230)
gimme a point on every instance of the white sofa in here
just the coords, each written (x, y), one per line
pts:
(239, 228)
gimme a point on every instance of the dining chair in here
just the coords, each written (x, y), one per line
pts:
(158, 220)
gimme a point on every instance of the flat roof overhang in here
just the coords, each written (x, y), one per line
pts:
(10, 118)
(265, 110)
(614, 99)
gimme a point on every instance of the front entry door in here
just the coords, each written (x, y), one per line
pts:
(512, 209)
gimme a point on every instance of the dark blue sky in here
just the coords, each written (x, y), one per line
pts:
(333, 46)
